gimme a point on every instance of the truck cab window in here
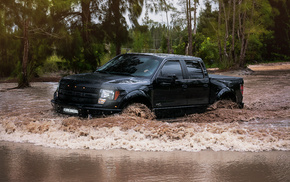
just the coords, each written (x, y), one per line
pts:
(194, 69)
(171, 68)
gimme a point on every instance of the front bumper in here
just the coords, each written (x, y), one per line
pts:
(82, 109)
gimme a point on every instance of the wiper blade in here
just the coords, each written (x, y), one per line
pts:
(114, 73)
(100, 71)
(125, 74)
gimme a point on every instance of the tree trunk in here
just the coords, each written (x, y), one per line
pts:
(24, 82)
(189, 30)
(168, 32)
(244, 41)
(194, 17)
(233, 32)
(226, 32)
(245, 36)
(118, 47)
(86, 20)
(243, 52)
(219, 32)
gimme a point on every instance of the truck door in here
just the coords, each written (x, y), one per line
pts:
(168, 88)
(197, 92)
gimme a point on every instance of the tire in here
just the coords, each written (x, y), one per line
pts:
(225, 103)
(139, 110)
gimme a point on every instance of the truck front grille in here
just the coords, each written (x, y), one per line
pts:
(78, 93)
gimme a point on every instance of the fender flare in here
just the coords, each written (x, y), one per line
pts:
(136, 95)
(226, 91)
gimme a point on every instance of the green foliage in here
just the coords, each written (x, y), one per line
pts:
(115, 24)
(198, 39)
(141, 39)
(179, 49)
(10, 54)
(87, 33)
(53, 64)
(25, 25)
(239, 34)
(208, 51)
(277, 48)
(164, 42)
(208, 21)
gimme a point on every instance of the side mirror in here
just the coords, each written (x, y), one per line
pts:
(166, 80)
(172, 76)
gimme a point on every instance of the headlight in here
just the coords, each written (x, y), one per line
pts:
(107, 94)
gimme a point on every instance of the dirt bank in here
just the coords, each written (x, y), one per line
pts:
(37, 79)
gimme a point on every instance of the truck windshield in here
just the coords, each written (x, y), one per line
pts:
(133, 65)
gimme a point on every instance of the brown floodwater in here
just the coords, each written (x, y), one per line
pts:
(223, 144)
(26, 162)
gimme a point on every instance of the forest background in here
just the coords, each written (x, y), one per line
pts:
(74, 36)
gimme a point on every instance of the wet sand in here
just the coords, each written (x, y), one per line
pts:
(199, 147)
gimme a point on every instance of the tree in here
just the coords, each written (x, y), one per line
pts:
(167, 6)
(115, 23)
(141, 39)
(29, 21)
(75, 21)
(278, 47)
(242, 24)
(254, 19)
(189, 26)
(191, 29)
(196, 2)
(233, 32)
(163, 6)
(9, 46)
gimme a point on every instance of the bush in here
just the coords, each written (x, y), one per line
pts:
(208, 51)
(52, 64)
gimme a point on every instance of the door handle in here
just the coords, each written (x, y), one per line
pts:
(184, 87)
(165, 84)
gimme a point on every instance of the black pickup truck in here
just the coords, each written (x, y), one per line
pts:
(162, 82)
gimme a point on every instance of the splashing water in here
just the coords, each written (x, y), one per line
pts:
(133, 133)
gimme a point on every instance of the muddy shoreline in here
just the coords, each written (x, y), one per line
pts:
(38, 79)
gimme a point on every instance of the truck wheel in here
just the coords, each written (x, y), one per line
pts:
(139, 110)
(226, 103)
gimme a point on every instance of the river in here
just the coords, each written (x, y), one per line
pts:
(222, 144)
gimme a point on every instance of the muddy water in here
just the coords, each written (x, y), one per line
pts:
(26, 117)
(25, 162)
(29, 100)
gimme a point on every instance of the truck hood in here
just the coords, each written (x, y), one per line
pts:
(105, 81)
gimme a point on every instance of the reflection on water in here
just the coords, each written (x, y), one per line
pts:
(24, 162)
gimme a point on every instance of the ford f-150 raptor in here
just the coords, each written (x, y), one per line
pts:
(162, 82)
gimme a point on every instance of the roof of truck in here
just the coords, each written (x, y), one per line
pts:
(167, 56)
